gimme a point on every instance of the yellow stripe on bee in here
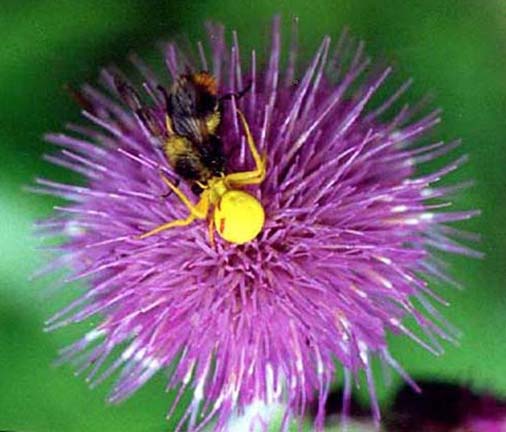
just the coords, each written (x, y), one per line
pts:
(212, 122)
(176, 146)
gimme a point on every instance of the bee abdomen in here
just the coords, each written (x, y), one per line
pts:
(190, 169)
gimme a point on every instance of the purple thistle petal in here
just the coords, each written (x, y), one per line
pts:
(346, 246)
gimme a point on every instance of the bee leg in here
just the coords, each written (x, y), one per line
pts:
(198, 211)
(257, 175)
(167, 194)
(239, 94)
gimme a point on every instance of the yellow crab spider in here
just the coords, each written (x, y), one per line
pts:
(238, 217)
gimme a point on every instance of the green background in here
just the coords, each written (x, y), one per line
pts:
(455, 49)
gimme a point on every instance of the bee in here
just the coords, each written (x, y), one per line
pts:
(195, 152)
(193, 106)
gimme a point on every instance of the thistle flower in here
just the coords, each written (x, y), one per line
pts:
(347, 244)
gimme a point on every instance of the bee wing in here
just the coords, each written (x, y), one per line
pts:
(132, 99)
(192, 128)
(188, 106)
(128, 94)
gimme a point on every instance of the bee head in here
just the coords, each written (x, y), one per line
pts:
(239, 217)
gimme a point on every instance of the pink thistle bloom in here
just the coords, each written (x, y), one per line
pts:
(347, 243)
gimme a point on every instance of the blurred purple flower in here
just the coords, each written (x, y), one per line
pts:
(446, 407)
(347, 243)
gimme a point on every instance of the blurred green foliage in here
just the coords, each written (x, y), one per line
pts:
(455, 48)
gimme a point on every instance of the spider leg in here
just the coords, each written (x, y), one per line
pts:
(239, 94)
(198, 211)
(167, 194)
(257, 175)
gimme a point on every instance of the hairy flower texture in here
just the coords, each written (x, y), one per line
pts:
(347, 244)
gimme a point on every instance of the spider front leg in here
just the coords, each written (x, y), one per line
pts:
(198, 211)
(257, 175)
